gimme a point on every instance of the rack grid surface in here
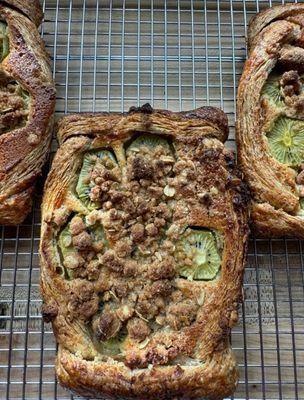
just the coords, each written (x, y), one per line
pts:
(108, 56)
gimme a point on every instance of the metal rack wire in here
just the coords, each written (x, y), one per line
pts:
(110, 55)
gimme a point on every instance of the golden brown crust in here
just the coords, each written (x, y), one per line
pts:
(270, 222)
(30, 8)
(199, 362)
(161, 120)
(103, 381)
(276, 38)
(23, 148)
(266, 17)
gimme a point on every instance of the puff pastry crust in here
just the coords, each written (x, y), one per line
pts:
(30, 8)
(27, 101)
(173, 331)
(269, 121)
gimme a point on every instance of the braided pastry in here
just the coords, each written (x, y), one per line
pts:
(270, 123)
(144, 227)
(27, 100)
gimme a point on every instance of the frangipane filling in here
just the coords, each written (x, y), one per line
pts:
(129, 250)
(283, 91)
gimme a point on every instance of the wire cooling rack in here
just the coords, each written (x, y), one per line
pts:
(108, 56)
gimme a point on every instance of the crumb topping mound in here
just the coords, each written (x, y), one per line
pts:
(130, 257)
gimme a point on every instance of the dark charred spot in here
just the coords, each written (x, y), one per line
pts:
(106, 326)
(212, 114)
(178, 372)
(242, 198)
(49, 311)
(142, 168)
(230, 160)
(205, 199)
(232, 181)
(144, 109)
(237, 200)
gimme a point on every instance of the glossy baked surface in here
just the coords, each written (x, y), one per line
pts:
(144, 227)
(27, 101)
(270, 123)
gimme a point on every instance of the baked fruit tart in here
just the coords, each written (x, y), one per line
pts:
(270, 123)
(144, 227)
(27, 101)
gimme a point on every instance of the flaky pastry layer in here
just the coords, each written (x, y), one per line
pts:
(276, 57)
(27, 102)
(176, 330)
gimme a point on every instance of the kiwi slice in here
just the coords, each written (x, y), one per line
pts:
(286, 141)
(4, 42)
(272, 91)
(83, 187)
(25, 97)
(65, 242)
(66, 247)
(150, 141)
(97, 232)
(200, 245)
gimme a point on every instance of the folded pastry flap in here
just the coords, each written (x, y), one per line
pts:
(221, 210)
(275, 223)
(89, 378)
(30, 8)
(206, 121)
(13, 209)
(266, 17)
(27, 67)
(270, 180)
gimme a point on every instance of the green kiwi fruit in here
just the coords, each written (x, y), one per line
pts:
(200, 245)
(66, 248)
(272, 91)
(26, 98)
(65, 243)
(149, 141)
(97, 232)
(83, 186)
(286, 141)
(4, 42)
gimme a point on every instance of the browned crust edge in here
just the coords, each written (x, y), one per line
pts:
(31, 8)
(269, 222)
(264, 18)
(96, 123)
(103, 381)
